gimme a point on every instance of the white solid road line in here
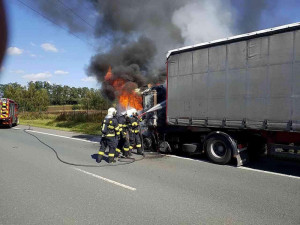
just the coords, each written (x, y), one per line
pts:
(179, 157)
(173, 156)
(107, 180)
(241, 167)
(268, 172)
(55, 135)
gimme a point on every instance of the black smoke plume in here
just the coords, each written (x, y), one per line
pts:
(138, 33)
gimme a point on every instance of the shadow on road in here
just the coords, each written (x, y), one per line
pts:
(95, 156)
(264, 164)
(276, 166)
(3, 127)
(88, 137)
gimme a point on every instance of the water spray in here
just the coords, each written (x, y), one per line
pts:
(155, 108)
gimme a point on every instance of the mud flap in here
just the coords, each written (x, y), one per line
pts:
(242, 157)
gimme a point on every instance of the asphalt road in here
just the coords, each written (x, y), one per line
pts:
(36, 188)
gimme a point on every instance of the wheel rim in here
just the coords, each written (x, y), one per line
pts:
(218, 149)
(147, 143)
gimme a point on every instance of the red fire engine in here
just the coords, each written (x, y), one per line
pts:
(8, 112)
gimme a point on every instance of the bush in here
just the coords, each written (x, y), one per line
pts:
(36, 115)
(76, 107)
(80, 117)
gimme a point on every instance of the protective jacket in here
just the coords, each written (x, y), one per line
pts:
(135, 138)
(135, 124)
(123, 143)
(110, 131)
(110, 127)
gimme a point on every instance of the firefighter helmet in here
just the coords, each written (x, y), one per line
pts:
(111, 111)
(129, 112)
(134, 112)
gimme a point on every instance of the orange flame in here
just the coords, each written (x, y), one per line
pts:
(108, 75)
(127, 98)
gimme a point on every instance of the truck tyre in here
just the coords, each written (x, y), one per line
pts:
(164, 147)
(218, 149)
(10, 124)
(147, 144)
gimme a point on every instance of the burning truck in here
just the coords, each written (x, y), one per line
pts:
(229, 98)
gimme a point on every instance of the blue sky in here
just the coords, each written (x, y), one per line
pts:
(39, 50)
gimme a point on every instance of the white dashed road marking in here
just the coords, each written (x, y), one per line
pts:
(107, 180)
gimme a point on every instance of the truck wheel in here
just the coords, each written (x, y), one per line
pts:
(164, 147)
(10, 125)
(218, 150)
(147, 144)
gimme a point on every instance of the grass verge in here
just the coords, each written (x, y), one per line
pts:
(80, 127)
(62, 122)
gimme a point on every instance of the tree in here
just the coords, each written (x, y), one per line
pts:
(38, 95)
(57, 95)
(42, 99)
(74, 96)
(16, 92)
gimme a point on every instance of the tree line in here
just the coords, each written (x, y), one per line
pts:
(37, 96)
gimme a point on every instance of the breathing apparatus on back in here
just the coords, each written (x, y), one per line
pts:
(107, 122)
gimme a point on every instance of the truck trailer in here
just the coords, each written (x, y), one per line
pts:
(8, 112)
(231, 98)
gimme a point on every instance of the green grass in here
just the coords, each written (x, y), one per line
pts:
(58, 122)
(54, 108)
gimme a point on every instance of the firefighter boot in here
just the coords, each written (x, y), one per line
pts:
(111, 160)
(99, 158)
(140, 152)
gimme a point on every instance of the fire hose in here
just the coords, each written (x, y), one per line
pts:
(123, 161)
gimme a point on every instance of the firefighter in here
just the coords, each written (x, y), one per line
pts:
(110, 131)
(135, 135)
(123, 143)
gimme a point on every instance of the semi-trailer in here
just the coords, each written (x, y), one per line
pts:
(229, 97)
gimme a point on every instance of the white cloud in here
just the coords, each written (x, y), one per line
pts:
(14, 51)
(49, 47)
(37, 76)
(89, 79)
(32, 44)
(61, 72)
(33, 55)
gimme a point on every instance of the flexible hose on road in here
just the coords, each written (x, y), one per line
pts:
(123, 161)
